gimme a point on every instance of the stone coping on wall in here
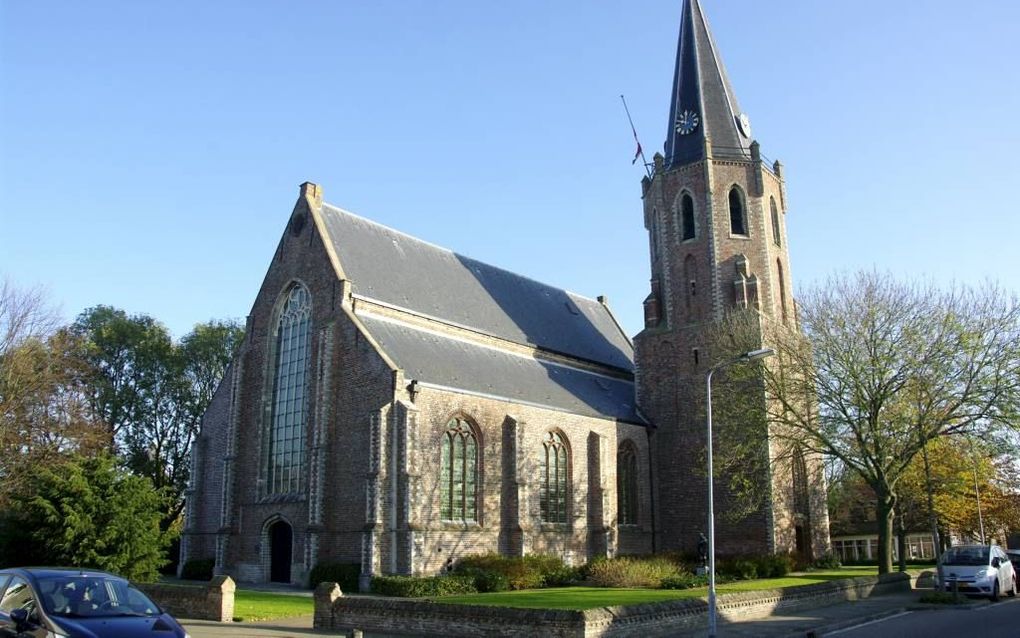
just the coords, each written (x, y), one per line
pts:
(423, 617)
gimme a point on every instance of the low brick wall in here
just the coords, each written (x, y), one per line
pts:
(214, 601)
(335, 611)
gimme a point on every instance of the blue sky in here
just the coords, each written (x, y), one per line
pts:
(150, 153)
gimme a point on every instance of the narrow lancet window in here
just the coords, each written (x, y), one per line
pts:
(626, 485)
(782, 290)
(738, 214)
(687, 216)
(775, 222)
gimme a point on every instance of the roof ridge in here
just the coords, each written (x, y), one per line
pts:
(461, 255)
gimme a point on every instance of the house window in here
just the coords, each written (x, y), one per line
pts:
(287, 429)
(626, 485)
(738, 214)
(459, 473)
(775, 222)
(687, 216)
(553, 477)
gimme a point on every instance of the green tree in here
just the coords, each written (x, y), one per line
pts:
(881, 368)
(152, 392)
(43, 411)
(88, 512)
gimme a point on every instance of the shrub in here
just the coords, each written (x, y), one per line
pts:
(528, 572)
(412, 587)
(739, 568)
(685, 581)
(631, 572)
(563, 577)
(198, 569)
(829, 561)
(343, 574)
(774, 565)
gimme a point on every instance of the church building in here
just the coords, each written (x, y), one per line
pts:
(398, 405)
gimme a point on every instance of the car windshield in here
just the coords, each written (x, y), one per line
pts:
(93, 595)
(965, 556)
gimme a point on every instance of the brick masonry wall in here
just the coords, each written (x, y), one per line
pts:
(214, 601)
(670, 379)
(522, 531)
(333, 611)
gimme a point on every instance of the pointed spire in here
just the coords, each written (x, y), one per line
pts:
(703, 102)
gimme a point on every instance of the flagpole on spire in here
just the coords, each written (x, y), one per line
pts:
(640, 152)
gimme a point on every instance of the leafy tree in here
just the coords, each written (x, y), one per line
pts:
(88, 512)
(882, 368)
(43, 411)
(152, 392)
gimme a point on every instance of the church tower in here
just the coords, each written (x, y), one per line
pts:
(715, 211)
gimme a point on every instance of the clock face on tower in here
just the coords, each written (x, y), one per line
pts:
(686, 122)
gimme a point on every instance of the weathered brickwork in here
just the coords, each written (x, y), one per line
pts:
(370, 490)
(698, 280)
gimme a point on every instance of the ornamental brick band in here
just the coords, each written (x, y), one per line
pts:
(214, 601)
(428, 618)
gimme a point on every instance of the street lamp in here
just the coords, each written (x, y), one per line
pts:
(753, 355)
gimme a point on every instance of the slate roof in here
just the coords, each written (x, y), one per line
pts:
(700, 85)
(444, 361)
(396, 269)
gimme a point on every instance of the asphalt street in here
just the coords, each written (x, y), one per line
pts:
(997, 620)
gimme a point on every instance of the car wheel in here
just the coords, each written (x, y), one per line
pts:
(995, 591)
(1012, 590)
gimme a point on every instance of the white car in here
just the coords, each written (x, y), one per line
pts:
(982, 570)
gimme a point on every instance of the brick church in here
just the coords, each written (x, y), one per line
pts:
(399, 405)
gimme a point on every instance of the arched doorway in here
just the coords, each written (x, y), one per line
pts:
(281, 548)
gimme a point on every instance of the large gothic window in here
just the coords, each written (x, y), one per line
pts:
(554, 484)
(626, 485)
(738, 213)
(287, 429)
(775, 222)
(459, 473)
(687, 216)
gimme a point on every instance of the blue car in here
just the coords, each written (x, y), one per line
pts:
(78, 603)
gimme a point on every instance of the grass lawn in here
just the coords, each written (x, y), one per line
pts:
(260, 605)
(592, 597)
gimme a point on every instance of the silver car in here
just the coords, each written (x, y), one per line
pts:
(982, 570)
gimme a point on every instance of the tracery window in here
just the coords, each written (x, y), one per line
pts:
(738, 213)
(289, 410)
(687, 216)
(459, 473)
(554, 485)
(626, 485)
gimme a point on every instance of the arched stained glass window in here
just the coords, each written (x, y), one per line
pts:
(289, 410)
(459, 473)
(738, 214)
(687, 216)
(775, 222)
(553, 477)
(626, 485)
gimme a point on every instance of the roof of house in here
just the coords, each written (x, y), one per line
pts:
(401, 271)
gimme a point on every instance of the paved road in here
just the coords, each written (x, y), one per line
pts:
(998, 620)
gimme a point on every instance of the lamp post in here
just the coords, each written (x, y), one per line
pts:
(753, 355)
